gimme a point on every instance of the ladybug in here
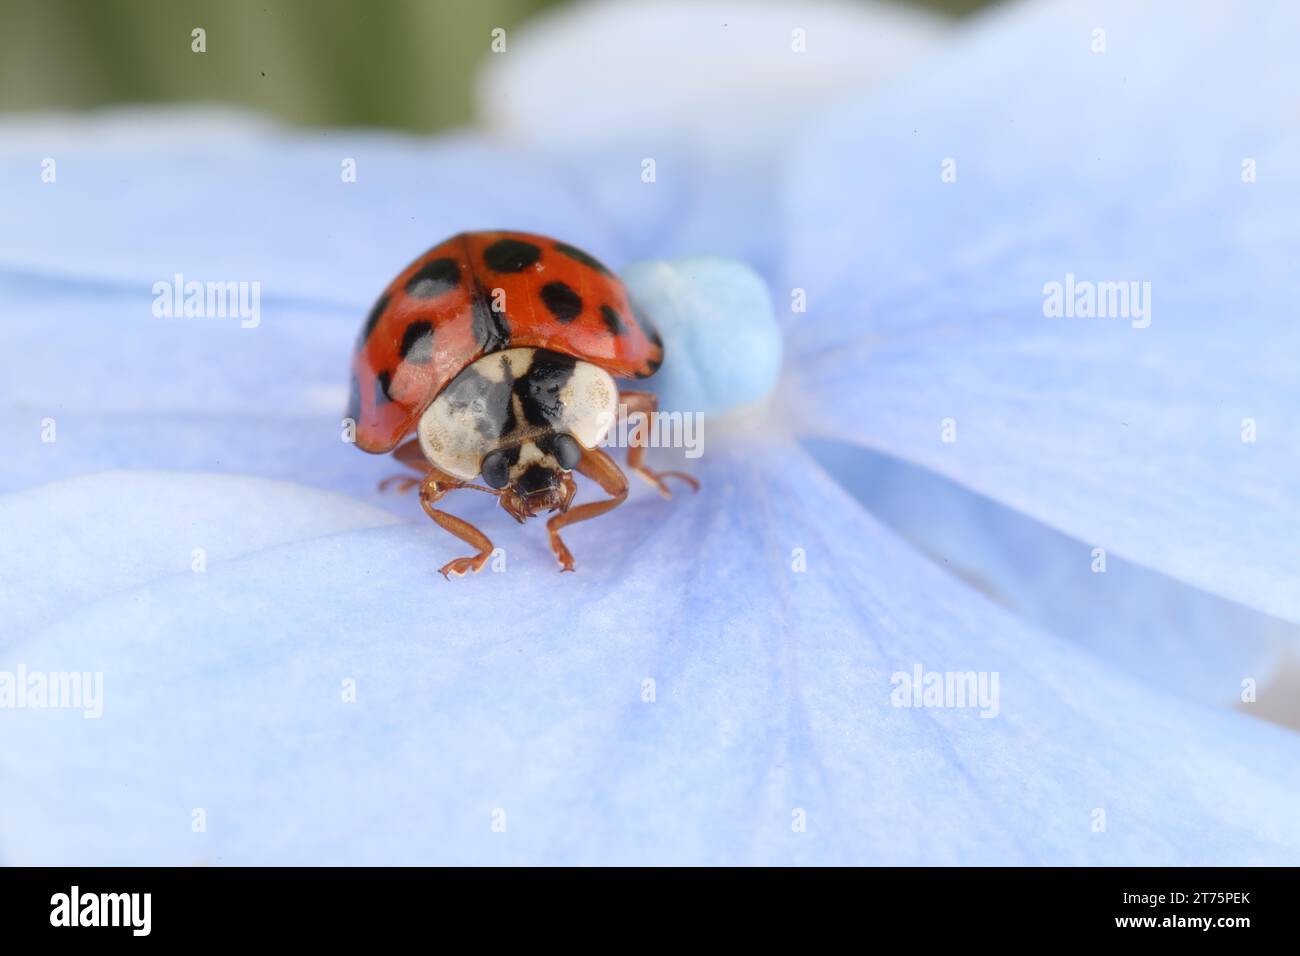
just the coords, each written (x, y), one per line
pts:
(493, 356)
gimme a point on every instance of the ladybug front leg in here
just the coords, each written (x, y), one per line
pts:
(600, 468)
(411, 456)
(432, 490)
(647, 403)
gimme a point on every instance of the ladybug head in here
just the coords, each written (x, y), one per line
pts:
(534, 476)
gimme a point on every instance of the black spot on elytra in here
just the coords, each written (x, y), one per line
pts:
(511, 255)
(539, 390)
(496, 466)
(536, 478)
(376, 312)
(491, 328)
(564, 303)
(643, 320)
(417, 343)
(577, 255)
(354, 401)
(486, 401)
(433, 279)
(383, 381)
(612, 320)
(652, 365)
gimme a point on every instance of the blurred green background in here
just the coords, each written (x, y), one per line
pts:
(407, 64)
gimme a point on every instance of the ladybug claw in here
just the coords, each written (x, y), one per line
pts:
(462, 566)
(403, 483)
(656, 478)
(562, 553)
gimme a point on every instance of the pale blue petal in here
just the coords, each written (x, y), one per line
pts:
(68, 543)
(122, 388)
(1170, 633)
(255, 203)
(926, 299)
(524, 693)
(733, 76)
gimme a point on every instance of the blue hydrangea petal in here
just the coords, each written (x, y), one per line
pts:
(123, 388)
(237, 200)
(522, 698)
(69, 543)
(1170, 633)
(733, 77)
(926, 297)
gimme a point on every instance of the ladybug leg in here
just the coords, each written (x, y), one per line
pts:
(648, 403)
(433, 488)
(411, 456)
(600, 468)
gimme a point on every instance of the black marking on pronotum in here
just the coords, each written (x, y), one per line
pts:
(496, 466)
(564, 303)
(383, 381)
(434, 278)
(577, 255)
(372, 319)
(487, 401)
(417, 343)
(491, 328)
(511, 255)
(612, 320)
(539, 390)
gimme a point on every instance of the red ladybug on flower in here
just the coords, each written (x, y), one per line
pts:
(499, 351)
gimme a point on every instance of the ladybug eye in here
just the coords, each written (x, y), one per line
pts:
(496, 469)
(567, 451)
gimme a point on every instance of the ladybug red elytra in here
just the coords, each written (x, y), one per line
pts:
(499, 351)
